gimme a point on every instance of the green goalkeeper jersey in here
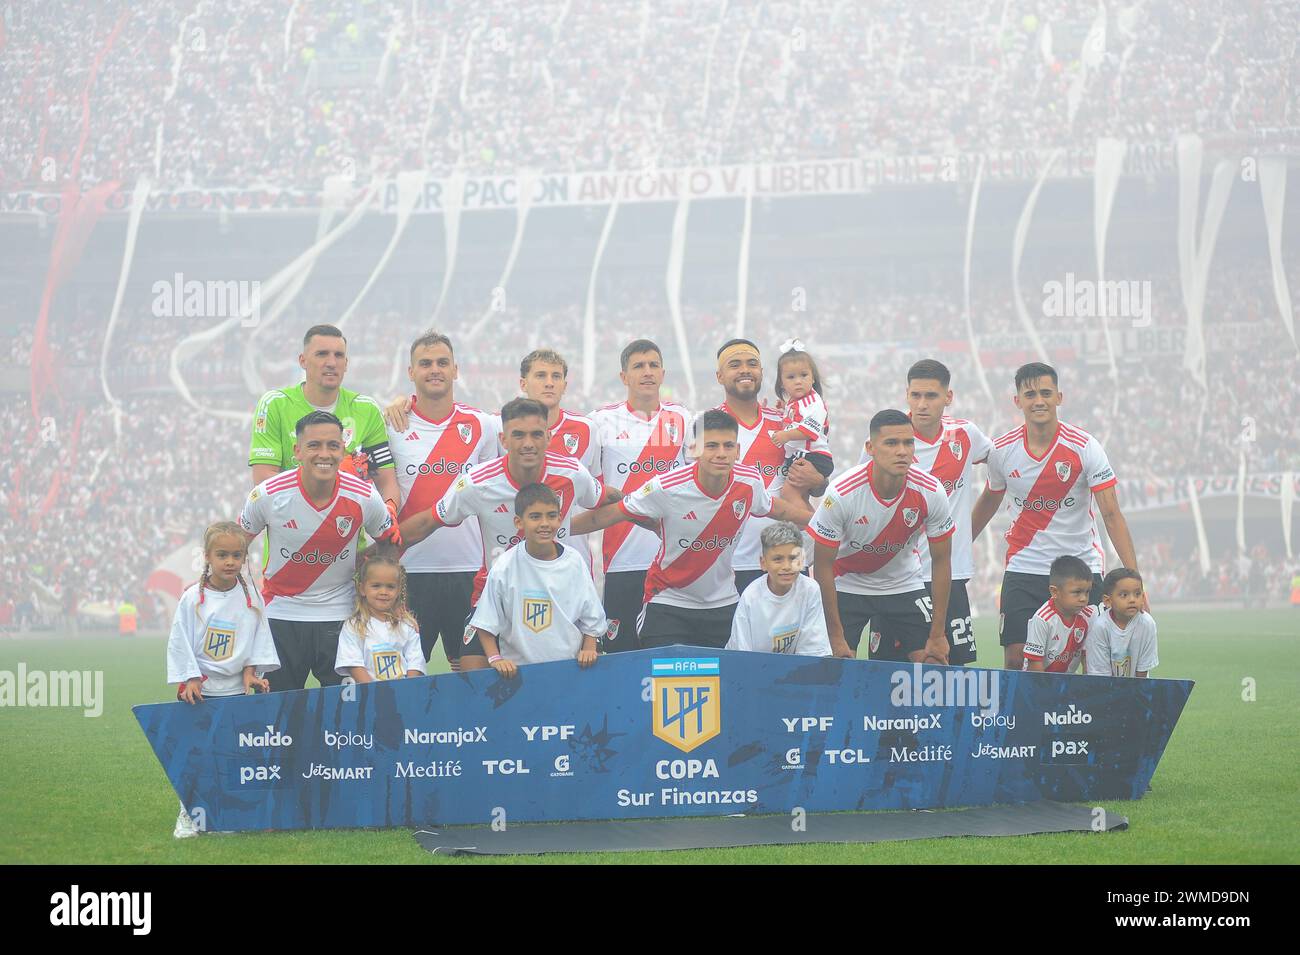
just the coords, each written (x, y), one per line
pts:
(278, 413)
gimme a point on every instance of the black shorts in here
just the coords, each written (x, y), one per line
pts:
(440, 602)
(820, 460)
(960, 633)
(898, 622)
(663, 625)
(1022, 596)
(624, 595)
(304, 646)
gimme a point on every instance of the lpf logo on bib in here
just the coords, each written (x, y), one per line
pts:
(686, 701)
(537, 612)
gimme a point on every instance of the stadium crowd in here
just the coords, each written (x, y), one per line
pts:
(248, 92)
(79, 477)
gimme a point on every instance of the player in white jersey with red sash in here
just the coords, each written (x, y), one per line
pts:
(740, 373)
(487, 493)
(442, 440)
(1054, 472)
(641, 438)
(865, 560)
(544, 377)
(312, 516)
(948, 449)
(700, 512)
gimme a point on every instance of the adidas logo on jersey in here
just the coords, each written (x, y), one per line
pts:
(623, 436)
(689, 516)
(862, 520)
(412, 437)
(1015, 473)
(502, 509)
(292, 525)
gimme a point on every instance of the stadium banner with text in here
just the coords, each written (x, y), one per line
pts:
(811, 177)
(679, 731)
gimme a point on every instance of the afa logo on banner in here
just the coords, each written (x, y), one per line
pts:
(686, 701)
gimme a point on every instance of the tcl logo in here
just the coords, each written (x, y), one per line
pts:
(313, 556)
(1043, 504)
(437, 467)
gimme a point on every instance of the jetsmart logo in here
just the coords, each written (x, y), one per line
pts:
(83, 689)
(179, 298)
(103, 908)
(272, 737)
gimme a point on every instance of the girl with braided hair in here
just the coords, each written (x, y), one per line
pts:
(220, 643)
(381, 640)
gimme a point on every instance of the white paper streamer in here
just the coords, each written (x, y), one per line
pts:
(1202, 545)
(139, 199)
(673, 285)
(589, 313)
(1018, 249)
(1272, 190)
(742, 265)
(966, 310)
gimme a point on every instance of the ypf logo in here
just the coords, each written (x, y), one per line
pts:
(686, 701)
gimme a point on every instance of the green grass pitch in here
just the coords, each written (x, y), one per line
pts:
(79, 790)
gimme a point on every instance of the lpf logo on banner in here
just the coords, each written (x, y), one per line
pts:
(686, 701)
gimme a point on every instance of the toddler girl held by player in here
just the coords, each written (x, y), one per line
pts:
(380, 641)
(220, 643)
(807, 423)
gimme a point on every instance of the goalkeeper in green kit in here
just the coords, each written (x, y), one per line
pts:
(324, 361)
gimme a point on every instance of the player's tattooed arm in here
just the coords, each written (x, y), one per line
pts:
(936, 647)
(1117, 528)
(397, 412)
(386, 485)
(797, 511)
(824, 574)
(418, 526)
(987, 505)
(588, 522)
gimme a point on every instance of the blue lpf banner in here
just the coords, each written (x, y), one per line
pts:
(673, 732)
